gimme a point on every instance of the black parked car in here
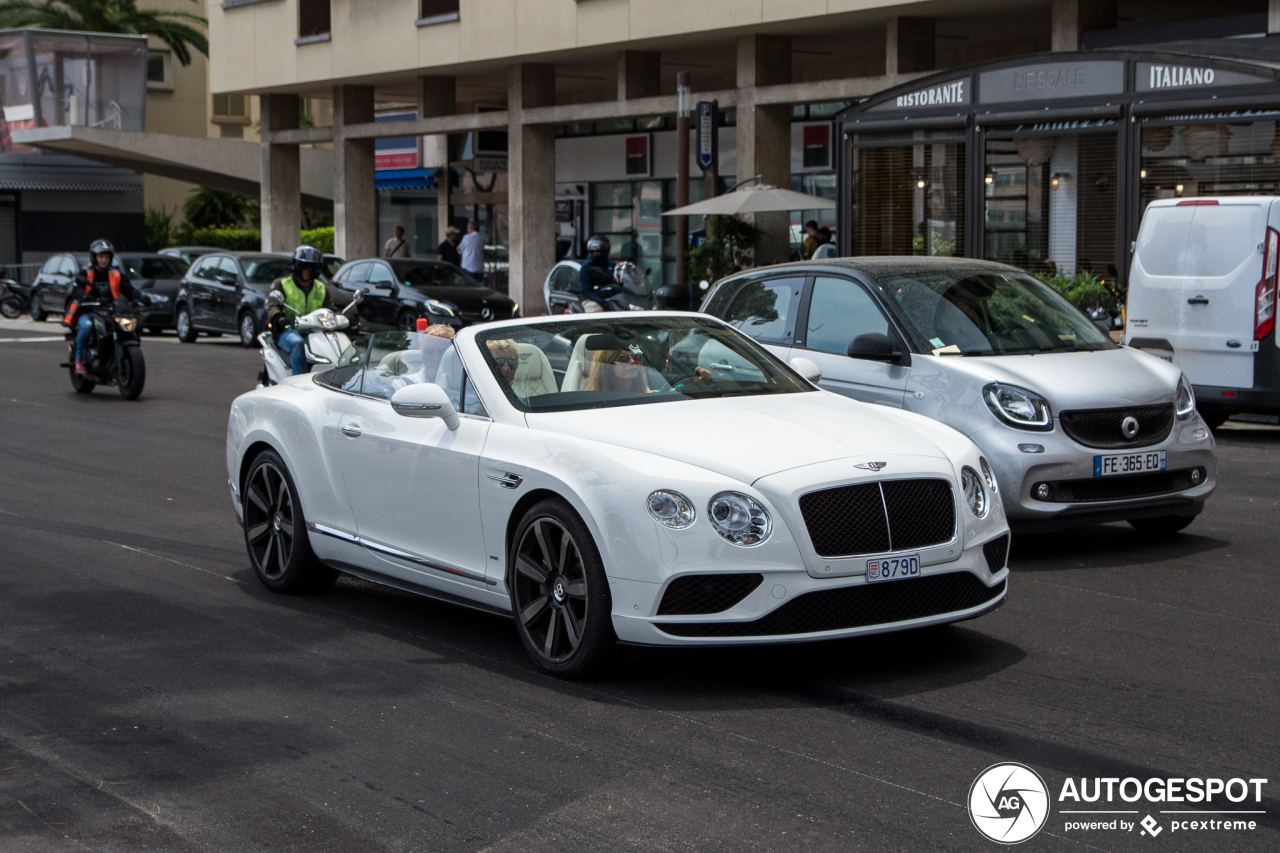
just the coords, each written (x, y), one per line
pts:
(159, 276)
(227, 292)
(188, 254)
(52, 284)
(398, 292)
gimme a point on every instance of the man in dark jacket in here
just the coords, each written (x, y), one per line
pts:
(595, 277)
(98, 282)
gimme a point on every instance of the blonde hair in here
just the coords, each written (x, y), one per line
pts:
(600, 377)
(440, 330)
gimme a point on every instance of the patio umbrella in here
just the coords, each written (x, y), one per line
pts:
(756, 198)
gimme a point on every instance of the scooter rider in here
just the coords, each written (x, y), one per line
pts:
(595, 278)
(303, 293)
(98, 282)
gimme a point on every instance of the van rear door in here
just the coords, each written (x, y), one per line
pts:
(1195, 276)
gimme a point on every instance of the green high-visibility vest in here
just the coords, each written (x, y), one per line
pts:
(300, 302)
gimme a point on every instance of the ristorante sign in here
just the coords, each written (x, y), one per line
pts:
(945, 94)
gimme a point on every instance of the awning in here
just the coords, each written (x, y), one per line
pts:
(70, 187)
(404, 179)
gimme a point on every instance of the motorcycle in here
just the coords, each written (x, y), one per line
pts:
(325, 343)
(633, 292)
(113, 355)
(12, 300)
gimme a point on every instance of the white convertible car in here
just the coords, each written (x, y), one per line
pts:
(655, 479)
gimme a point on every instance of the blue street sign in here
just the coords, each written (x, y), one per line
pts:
(706, 134)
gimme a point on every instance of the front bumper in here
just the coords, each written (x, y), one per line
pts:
(792, 606)
(1189, 446)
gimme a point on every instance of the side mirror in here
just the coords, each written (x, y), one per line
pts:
(357, 296)
(425, 400)
(275, 297)
(807, 368)
(874, 347)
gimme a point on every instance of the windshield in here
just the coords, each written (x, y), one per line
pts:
(586, 364)
(265, 270)
(331, 265)
(165, 267)
(991, 313)
(434, 275)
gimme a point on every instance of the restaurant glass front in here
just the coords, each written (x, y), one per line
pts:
(908, 195)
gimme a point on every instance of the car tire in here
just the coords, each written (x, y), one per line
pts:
(182, 322)
(11, 309)
(248, 329)
(1161, 525)
(407, 322)
(1213, 420)
(35, 309)
(275, 531)
(560, 593)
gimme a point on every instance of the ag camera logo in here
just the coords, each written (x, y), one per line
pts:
(1008, 803)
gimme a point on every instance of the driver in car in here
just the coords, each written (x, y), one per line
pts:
(303, 293)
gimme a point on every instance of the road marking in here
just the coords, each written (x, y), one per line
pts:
(30, 340)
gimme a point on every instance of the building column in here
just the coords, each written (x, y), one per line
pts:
(1072, 18)
(280, 193)
(909, 46)
(355, 193)
(531, 167)
(764, 135)
(639, 74)
(1273, 16)
(438, 96)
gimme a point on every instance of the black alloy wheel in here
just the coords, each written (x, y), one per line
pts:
(35, 308)
(407, 322)
(275, 532)
(560, 593)
(132, 374)
(186, 331)
(248, 330)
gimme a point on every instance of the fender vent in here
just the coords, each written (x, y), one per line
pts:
(693, 594)
(997, 553)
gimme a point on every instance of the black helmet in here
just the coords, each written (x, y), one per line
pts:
(307, 257)
(598, 243)
(97, 247)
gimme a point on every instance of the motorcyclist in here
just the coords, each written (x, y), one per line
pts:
(303, 293)
(595, 278)
(97, 282)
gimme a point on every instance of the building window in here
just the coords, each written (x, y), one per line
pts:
(437, 11)
(313, 18)
(233, 109)
(908, 199)
(159, 70)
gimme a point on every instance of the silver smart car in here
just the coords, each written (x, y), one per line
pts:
(1077, 428)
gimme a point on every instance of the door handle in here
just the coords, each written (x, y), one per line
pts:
(1197, 300)
(352, 431)
(724, 365)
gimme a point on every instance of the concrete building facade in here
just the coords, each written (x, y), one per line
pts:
(551, 118)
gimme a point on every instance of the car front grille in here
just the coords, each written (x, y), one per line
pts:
(855, 607)
(874, 518)
(1103, 427)
(997, 553)
(1121, 488)
(693, 594)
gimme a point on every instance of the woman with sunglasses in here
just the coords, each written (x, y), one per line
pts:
(618, 370)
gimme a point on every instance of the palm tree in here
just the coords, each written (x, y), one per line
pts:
(181, 31)
(209, 208)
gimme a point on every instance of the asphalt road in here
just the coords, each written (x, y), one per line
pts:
(153, 696)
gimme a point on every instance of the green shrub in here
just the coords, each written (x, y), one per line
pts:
(321, 238)
(726, 249)
(157, 228)
(231, 239)
(1085, 290)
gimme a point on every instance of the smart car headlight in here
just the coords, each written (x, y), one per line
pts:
(975, 495)
(671, 509)
(1018, 407)
(1186, 399)
(739, 519)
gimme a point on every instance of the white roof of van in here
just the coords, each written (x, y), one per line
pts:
(1221, 199)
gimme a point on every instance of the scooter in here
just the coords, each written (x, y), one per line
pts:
(633, 292)
(12, 300)
(325, 343)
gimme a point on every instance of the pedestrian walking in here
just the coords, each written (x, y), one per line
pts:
(472, 250)
(397, 246)
(448, 250)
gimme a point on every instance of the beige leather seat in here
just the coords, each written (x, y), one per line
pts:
(399, 363)
(575, 376)
(534, 376)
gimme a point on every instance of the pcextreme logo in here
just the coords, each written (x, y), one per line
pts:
(1009, 803)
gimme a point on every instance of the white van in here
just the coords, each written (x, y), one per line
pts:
(1202, 294)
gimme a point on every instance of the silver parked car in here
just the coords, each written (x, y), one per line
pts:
(1077, 428)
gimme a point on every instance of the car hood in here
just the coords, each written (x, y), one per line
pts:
(747, 438)
(1076, 380)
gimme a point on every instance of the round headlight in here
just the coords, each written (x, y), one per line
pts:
(671, 509)
(739, 518)
(974, 493)
(987, 475)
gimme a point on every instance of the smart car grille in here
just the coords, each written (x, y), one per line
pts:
(694, 594)
(872, 518)
(855, 607)
(1103, 427)
(997, 553)
(1120, 488)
